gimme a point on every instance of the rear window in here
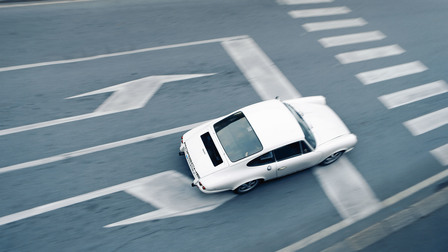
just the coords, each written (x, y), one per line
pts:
(211, 149)
(237, 137)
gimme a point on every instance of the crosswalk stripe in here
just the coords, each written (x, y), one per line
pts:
(351, 39)
(336, 24)
(260, 70)
(428, 122)
(319, 12)
(347, 190)
(392, 72)
(441, 154)
(293, 2)
(368, 54)
(410, 95)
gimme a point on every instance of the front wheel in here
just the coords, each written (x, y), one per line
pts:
(244, 188)
(332, 158)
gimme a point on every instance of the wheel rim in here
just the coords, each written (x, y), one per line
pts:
(248, 186)
(332, 158)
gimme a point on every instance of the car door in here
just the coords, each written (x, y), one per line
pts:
(264, 166)
(294, 157)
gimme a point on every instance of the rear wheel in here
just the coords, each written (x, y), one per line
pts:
(246, 187)
(332, 158)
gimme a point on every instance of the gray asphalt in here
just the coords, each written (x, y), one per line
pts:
(273, 216)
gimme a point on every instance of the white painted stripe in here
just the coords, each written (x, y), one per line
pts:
(48, 123)
(294, 2)
(347, 189)
(102, 56)
(77, 199)
(368, 54)
(43, 3)
(351, 39)
(392, 72)
(336, 24)
(410, 95)
(428, 122)
(415, 188)
(98, 148)
(441, 154)
(393, 223)
(347, 222)
(267, 80)
(319, 12)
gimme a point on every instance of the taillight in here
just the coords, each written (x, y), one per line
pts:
(182, 139)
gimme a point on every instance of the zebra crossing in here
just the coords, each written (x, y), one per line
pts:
(417, 126)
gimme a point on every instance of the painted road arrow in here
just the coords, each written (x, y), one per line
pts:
(126, 96)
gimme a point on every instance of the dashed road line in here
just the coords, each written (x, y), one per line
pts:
(392, 72)
(414, 94)
(369, 54)
(319, 12)
(294, 2)
(441, 154)
(351, 39)
(335, 24)
(428, 122)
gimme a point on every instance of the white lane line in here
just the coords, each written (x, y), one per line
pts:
(392, 72)
(428, 122)
(441, 154)
(391, 224)
(351, 39)
(102, 56)
(319, 12)
(411, 95)
(43, 3)
(347, 222)
(267, 80)
(294, 2)
(368, 54)
(48, 123)
(347, 189)
(77, 199)
(97, 148)
(335, 24)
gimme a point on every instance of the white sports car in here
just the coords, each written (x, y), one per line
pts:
(264, 141)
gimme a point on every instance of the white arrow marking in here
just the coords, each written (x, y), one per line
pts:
(173, 195)
(126, 96)
(169, 191)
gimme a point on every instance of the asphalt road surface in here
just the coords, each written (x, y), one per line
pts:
(96, 94)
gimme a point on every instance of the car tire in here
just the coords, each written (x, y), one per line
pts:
(332, 158)
(246, 187)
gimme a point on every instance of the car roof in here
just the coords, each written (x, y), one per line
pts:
(273, 123)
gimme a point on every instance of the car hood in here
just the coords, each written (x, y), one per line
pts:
(324, 122)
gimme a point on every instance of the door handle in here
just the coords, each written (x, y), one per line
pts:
(282, 168)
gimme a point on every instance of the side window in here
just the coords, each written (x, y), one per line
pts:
(262, 160)
(305, 147)
(288, 151)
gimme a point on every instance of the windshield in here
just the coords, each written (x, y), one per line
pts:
(237, 137)
(309, 137)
